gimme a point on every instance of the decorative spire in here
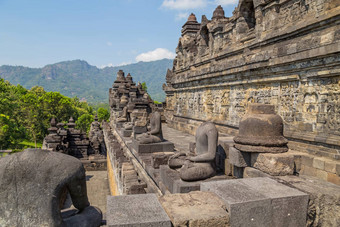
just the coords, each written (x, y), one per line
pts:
(53, 122)
(129, 77)
(71, 123)
(192, 17)
(218, 13)
(191, 27)
(120, 76)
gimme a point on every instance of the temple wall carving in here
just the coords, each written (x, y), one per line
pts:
(285, 53)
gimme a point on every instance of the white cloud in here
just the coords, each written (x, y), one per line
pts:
(157, 54)
(109, 43)
(182, 16)
(112, 65)
(226, 2)
(184, 4)
(124, 63)
(108, 65)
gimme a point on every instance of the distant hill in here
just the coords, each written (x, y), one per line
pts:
(78, 78)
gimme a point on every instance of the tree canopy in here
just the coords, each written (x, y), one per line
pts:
(26, 114)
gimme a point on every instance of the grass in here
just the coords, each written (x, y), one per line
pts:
(29, 144)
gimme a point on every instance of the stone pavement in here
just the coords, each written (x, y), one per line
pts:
(180, 139)
(97, 189)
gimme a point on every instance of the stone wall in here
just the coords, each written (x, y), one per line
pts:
(284, 52)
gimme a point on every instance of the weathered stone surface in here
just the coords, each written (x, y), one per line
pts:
(250, 172)
(31, 185)
(273, 164)
(283, 53)
(172, 181)
(199, 209)
(136, 210)
(324, 199)
(238, 158)
(164, 146)
(126, 132)
(261, 202)
(160, 158)
(261, 130)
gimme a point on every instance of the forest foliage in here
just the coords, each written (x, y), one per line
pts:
(25, 115)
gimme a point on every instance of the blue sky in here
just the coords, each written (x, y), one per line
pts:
(103, 32)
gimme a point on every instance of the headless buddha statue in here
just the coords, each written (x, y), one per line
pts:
(201, 165)
(124, 116)
(154, 135)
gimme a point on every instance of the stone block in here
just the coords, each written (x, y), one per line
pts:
(261, 202)
(323, 208)
(238, 158)
(319, 163)
(139, 129)
(307, 160)
(333, 178)
(119, 124)
(160, 158)
(274, 164)
(338, 169)
(308, 171)
(321, 174)
(330, 166)
(165, 146)
(136, 210)
(126, 133)
(172, 181)
(238, 172)
(250, 172)
(137, 188)
(245, 207)
(203, 209)
(228, 168)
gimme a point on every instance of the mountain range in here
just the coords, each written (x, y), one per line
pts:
(87, 82)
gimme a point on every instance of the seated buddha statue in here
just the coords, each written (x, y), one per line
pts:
(201, 165)
(154, 135)
(124, 116)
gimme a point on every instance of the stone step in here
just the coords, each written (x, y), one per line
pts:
(261, 202)
(136, 210)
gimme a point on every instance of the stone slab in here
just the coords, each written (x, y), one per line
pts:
(250, 172)
(323, 207)
(195, 209)
(164, 146)
(171, 180)
(136, 210)
(261, 202)
(126, 133)
(238, 158)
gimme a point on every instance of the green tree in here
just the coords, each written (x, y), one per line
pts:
(10, 132)
(103, 114)
(145, 88)
(84, 122)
